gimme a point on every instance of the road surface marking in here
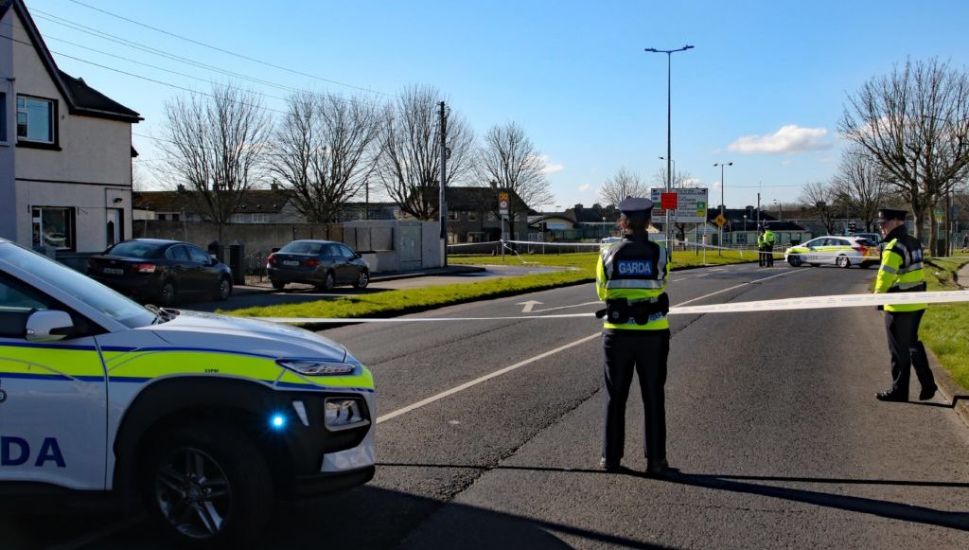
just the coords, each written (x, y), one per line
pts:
(470, 384)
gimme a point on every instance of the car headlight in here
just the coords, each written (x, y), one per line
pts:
(308, 367)
(343, 413)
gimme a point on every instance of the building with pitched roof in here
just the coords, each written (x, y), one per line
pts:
(65, 149)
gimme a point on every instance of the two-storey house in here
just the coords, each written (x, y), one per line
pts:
(65, 149)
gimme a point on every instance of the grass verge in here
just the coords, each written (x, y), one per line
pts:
(398, 302)
(945, 328)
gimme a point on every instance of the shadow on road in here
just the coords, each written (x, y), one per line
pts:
(952, 405)
(365, 517)
(883, 508)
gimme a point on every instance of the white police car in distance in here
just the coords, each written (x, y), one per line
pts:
(207, 418)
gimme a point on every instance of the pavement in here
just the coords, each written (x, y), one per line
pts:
(772, 419)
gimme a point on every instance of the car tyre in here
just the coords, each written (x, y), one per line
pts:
(843, 262)
(795, 261)
(224, 290)
(278, 285)
(329, 281)
(168, 294)
(362, 280)
(208, 485)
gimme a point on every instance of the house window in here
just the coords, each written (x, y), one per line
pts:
(162, 217)
(53, 227)
(492, 217)
(472, 216)
(175, 217)
(453, 216)
(35, 119)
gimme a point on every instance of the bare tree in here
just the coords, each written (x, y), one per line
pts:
(915, 123)
(862, 184)
(217, 144)
(510, 162)
(323, 150)
(624, 183)
(410, 141)
(821, 197)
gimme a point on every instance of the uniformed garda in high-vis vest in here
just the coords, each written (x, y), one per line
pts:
(631, 278)
(901, 268)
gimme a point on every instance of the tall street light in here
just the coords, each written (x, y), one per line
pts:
(669, 151)
(722, 165)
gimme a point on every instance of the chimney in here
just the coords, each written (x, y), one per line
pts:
(181, 188)
(274, 186)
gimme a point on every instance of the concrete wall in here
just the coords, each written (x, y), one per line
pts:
(8, 191)
(91, 169)
(260, 240)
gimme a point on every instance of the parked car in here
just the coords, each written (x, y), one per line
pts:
(840, 251)
(323, 264)
(161, 270)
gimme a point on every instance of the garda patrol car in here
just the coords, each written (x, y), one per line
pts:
(835, 250)
(207, 418)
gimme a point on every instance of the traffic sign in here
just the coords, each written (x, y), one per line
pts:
(668, 201)
(691, 204)
(503, 203)
(720, 220)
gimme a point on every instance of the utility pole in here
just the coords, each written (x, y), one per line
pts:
(758, 211)
(722, 165)
(669, 110)
(442, 201)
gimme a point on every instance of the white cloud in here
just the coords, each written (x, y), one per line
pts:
(585, 187)
(787, 162)
(549, 167)
(788, 139)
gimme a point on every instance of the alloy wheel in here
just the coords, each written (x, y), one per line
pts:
(193, 493)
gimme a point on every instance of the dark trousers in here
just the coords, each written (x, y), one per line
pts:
(769, 255)
(907, 350)
(761, 258)
(646, 353)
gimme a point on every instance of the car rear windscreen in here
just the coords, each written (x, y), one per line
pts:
(135, 249)
(302, 248)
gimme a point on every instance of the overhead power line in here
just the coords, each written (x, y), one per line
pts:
(223, 50)
(134, 75)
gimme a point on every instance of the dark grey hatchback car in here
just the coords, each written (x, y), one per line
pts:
(323, 264)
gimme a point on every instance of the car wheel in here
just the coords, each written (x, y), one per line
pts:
(278, 285)
(208, 485)
(362, 280)
(795, 261)
(329, 281)
(224, 290)
(168, 294)
(843, 262)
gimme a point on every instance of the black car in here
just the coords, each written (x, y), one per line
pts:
(161, 270)
(323, 264)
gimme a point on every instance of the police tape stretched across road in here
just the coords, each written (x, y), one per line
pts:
(756, 306)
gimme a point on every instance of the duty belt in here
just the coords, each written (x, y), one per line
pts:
(620, 311)
(908, 287)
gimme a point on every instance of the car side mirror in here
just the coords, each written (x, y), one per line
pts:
(48, 326)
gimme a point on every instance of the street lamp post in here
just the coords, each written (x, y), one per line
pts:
(669, 105)
(722, 165)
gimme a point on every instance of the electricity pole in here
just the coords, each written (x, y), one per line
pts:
(722, 165)
(442, 201)
(669, 108)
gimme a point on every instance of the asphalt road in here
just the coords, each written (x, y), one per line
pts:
(772, 419)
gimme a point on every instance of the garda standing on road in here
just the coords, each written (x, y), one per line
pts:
(631, 278)
(761, 259)
(901, 271)
(769, 240)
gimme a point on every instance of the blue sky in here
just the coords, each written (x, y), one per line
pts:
(764, 86)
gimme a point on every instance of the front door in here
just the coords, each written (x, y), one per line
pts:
(53, 409)
(115, 226)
